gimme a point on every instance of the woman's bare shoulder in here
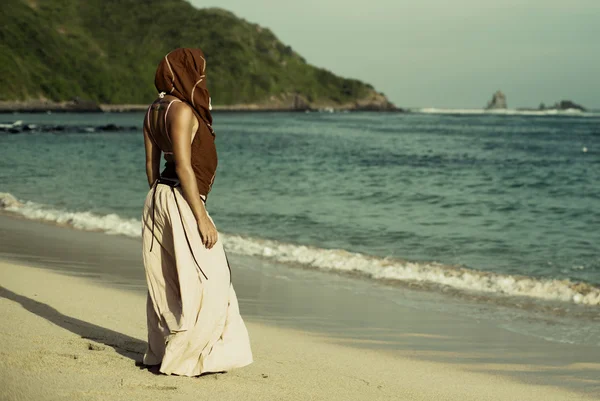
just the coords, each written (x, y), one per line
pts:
(181, 116)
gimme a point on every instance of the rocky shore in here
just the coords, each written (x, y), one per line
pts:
(76, 105)
(285, 102)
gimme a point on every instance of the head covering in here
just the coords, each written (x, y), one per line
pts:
(181, 73)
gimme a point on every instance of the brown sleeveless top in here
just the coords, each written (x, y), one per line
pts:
(203, 156)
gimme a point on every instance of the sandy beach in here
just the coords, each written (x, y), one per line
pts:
(73, 328)
(397, 202)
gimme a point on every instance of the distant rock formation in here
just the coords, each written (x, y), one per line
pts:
(563, 105)
(568, 105)
(558, 106)
(498, 101)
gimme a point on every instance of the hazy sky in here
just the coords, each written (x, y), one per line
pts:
(442, 53)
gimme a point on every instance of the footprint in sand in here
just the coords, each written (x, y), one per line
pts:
(157, 387)
(95, 347)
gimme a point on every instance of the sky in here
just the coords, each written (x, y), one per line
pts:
(442, 53)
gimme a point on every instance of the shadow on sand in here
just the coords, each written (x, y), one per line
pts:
(125, 345)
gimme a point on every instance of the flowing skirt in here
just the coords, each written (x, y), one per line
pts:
(194, 323)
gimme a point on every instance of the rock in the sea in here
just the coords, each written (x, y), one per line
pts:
(568, 105)
(18, 127)
(112, 128)
(109, 127)
(12, 128)
(498, 101)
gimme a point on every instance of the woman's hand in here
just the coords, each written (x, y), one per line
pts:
(208, 232)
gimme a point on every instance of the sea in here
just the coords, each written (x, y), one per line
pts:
(496, 207)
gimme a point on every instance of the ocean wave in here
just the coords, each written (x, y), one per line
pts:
(110, 223)
(509, 112)
(335, 260)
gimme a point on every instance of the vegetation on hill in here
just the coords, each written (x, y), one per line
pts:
(107, 51)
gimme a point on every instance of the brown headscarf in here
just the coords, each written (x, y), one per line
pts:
(181, 73)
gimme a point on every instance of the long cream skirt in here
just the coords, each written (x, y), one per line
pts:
(194, 323)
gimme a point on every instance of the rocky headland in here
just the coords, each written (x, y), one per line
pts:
(55, 51)
(285, 102)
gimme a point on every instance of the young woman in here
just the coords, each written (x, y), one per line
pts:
(194, 324)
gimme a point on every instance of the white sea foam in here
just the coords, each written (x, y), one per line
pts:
(110, 224)
(335, 259)
(510, 112)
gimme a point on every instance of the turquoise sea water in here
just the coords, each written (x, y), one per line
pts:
(471, 201)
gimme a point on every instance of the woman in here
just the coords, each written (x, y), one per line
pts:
(194, 325)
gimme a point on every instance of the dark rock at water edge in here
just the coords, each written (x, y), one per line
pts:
(498, 101)
(18, 127)
(76, 105)
(109, 128)
(295, 102)
(83, 105)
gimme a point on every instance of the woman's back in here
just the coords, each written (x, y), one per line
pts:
(163, 118)
(159, 118)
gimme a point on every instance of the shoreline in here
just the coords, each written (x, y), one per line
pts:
(361, 332)
(140, 108)
(551, 296)
(34, 107)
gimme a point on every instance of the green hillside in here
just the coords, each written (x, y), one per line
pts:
(107, 51)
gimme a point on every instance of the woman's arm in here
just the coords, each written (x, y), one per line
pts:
(181, 127)
(152, 155)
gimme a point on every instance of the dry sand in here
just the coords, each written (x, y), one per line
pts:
(66, 337)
